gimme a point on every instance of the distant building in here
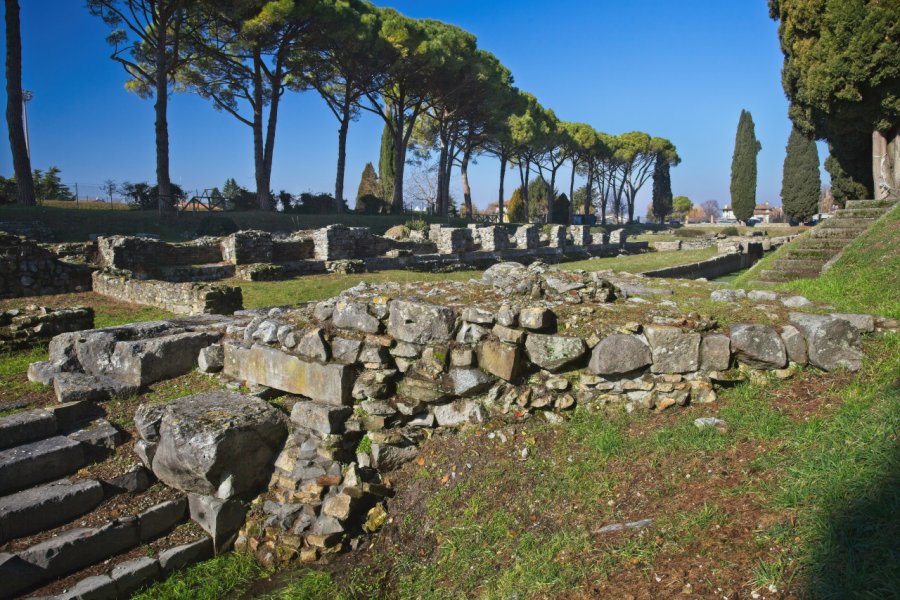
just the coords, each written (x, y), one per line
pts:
(764, 212)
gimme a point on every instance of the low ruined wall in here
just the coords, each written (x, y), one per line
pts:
(179, 298)
(713, 267)
(27, 269)
(22, 328)
(145, 254)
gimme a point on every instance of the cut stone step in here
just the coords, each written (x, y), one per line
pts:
(812, 253)
(841, 233)
(47, 506)
(99, 438)
(859, 213)
(844, 222)
(70, 387)
(886, 204)
(801, 264)
(24, 427)
(774, 275)
(45, 460)
(76, 549)
(822, 243)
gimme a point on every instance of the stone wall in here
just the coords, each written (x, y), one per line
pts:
(179, 298)
(339, 242)
(22, 328)
(717, 266)
(245, 247)
(528, 236)
(557, 236)
(27, 269)
(581, 235)
(452, 240)
(143, 255)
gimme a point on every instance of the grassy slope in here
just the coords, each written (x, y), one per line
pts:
(637, 263)
(75, 224)
(866, 278)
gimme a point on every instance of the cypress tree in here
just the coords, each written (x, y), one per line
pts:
(801, 183)
(368, 185)
(386, 165)
(743, 168)
(662, 189)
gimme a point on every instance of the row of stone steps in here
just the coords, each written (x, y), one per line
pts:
(46, 510)
(806, 257)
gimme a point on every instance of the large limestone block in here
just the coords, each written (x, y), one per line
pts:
(554, 352)
(142, 362)
(619, 354)
(421, 323)
(673, 351)
(758, 346)
(329, 383)
(715, 352)
(832, 342)
(355, 316)
(218, 443)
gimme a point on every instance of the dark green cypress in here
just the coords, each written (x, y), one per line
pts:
(386, 165)
(662, 189)
(801, 183)
(743, 168)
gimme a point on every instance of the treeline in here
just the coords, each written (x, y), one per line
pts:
(435, 90)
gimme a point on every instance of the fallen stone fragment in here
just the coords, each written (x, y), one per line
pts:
(72, 387)
(470, 382)
(221, 519)
(211, 359)
(710, 422)
(795, 302)
(458, 413)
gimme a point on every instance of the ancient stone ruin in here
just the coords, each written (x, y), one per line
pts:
(345, 390)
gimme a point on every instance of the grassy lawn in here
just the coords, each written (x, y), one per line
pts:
(638, 263)
(75, 224)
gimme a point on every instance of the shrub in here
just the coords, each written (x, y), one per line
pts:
(417, 225)
(317, 204)
(730, 231)
(370, 204)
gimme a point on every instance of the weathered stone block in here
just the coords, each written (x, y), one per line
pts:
(758, 346)
(44, 460)
(421, 323)
(831, 342)
(47, 506)
(619, 354)
(497, 358)
(715, 352)
(324, 418)
(554, 352)
(672, 350)
(23, 427)
(329, 383)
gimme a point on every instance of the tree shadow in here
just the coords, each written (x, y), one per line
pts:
(858, 554)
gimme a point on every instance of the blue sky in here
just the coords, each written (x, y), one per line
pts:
(680, 70)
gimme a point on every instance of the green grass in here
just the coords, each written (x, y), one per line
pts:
(75, 224)
(222, 577)
(638, 263)
(16, 363)
(865, 278)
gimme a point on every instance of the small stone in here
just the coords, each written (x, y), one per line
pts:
(211, 359)
(710, 422)
(536, 319)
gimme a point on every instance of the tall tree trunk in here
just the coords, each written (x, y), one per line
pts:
(500, 195)
(551, 185)
(882, 169)
(259, 161)
(588, 191)
(894, 151)
(163, 179)
(448, 175)
(342, 156)
(17, 143)
(572, 191)
(265, 201)
(441, 202)
(464, 175)
(399, 159)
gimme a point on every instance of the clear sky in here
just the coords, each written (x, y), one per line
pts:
(680, 70)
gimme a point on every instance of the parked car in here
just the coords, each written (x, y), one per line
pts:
(675, 222)
(727, 222)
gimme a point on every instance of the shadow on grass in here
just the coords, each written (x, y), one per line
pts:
(858, 550)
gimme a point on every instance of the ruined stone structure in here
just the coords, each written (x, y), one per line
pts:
(179, 298)
(27, 269)
(21, 328)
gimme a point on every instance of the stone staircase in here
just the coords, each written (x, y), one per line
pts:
(74, 521)
(807, 256)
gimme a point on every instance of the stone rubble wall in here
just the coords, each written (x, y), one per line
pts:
(24, 328)
(180, 298)
(27, 269)
(144, 254)
(369, 377)
(742, 257)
